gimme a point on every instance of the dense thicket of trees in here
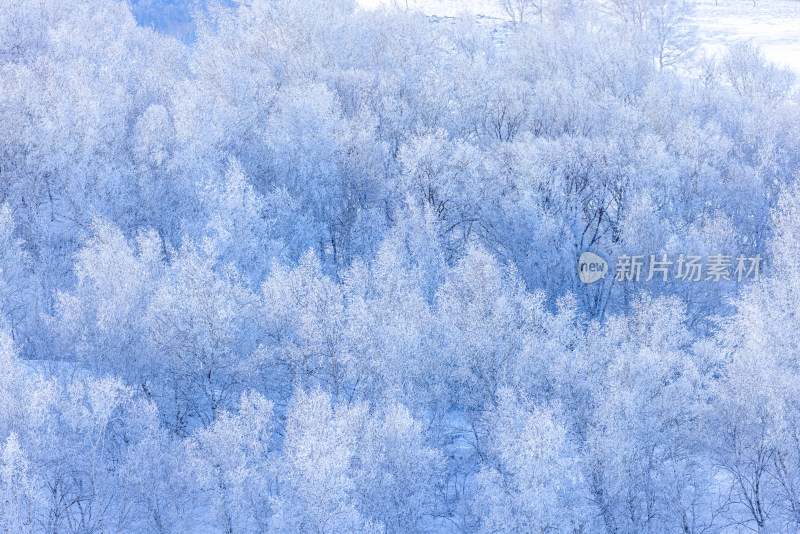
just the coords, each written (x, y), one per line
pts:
(316, 273)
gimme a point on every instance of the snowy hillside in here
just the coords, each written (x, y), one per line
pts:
(774, 25)
(316, 268)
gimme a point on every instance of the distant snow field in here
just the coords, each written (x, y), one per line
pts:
(443, 8)
(774, 25)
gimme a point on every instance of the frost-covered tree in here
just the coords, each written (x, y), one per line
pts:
(21, 496)
(534, 480)
(239, 229)
(303, 313)
(398, 474)
(754, 424)
(752, 76)
(317, 466)
(643, 450)
(232, 461)
(19, 295)
(200, 323)
(103, 319)
(487, 316)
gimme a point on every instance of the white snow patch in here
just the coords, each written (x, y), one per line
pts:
(774, 25)
(442, 8)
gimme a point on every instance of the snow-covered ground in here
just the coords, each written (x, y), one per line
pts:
(444, 8)
(774, 25)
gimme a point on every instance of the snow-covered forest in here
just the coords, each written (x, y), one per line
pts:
(314, 269)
